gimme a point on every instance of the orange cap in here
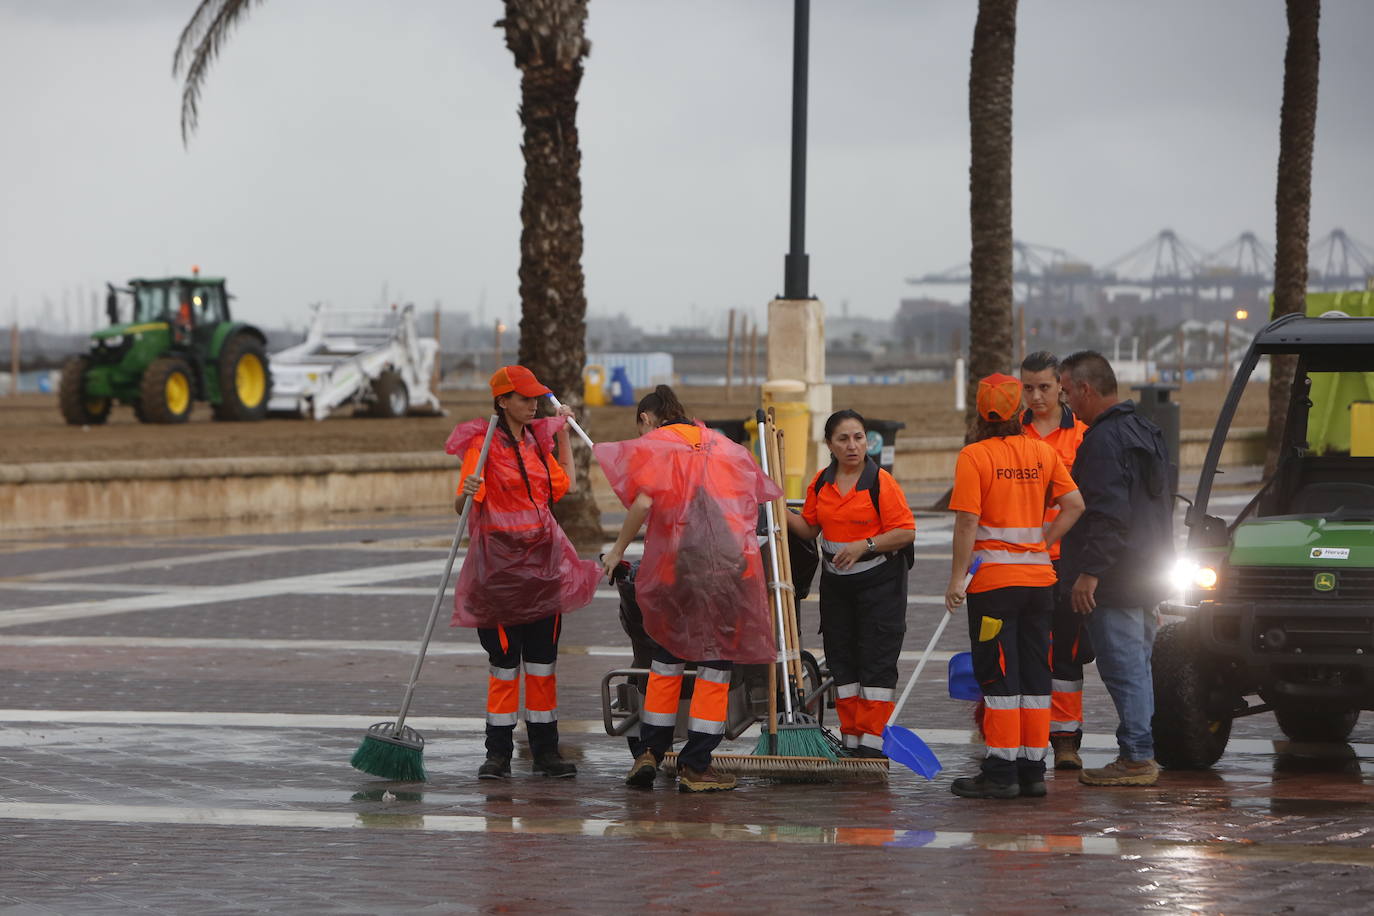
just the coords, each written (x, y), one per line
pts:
(517, 379)
(999, 397)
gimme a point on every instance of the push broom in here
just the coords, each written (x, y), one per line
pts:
(394, 750)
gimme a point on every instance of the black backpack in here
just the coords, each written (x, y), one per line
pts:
(868, 480)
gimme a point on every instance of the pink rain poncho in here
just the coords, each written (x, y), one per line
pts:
(701, 583)
(520, 566)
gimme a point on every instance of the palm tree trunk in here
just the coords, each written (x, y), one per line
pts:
(548, 40)
(990, 261)
(1293, 200)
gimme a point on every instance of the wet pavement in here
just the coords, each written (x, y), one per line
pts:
(180, 704)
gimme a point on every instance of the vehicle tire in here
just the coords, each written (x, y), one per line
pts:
(393, 400)
(1186, 735)
(77, 409)
(165, 392)
(811, 682)
(1308, 724)
(245, 380)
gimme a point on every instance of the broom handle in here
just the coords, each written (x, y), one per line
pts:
(773, 567)
(925, 656)
(443, 584)
(773, 708)
(785, 558)
(571, 422)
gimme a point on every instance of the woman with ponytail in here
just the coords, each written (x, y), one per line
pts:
(521, 574)
(700, 584)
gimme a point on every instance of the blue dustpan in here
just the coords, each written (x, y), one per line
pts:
(962, 684)
(906, 747)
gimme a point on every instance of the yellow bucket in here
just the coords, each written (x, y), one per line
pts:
(594, 386)
(1362, 429)
(787, 399)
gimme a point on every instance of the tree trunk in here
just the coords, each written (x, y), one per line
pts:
(548, 40)
(990, 261)
(1293, 200)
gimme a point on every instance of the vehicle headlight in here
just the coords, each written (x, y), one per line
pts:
(1190, 574)
(116, 341)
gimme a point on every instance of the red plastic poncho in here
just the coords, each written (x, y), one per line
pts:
(701, 583)
(520, 566)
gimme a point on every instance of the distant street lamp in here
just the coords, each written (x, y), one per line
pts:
(1241, 315)
(500, 329)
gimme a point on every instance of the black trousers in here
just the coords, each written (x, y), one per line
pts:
(536, 643)
(1070, 649)
(863, 622)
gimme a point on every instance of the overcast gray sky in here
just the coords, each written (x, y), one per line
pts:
(350, 145)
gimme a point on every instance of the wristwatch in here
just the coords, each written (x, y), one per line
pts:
(872, 548)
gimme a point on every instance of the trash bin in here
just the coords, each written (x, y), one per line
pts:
(882, 441)
(1362, 429)
(1155, 406)
(733, 430)
(594, 386)
(787, 398)
(621, 391)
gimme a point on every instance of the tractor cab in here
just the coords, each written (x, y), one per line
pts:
(170, 342)
(1279, 603)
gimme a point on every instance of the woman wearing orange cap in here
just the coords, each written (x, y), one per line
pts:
(1002, 483)
(521, 573)
(865, 527)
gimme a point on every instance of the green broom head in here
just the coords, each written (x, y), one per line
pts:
(801, 737)
(391, 754)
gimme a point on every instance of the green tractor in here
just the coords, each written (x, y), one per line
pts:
(180, 347)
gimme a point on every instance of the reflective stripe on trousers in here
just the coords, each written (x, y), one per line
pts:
(503, 695)
(661, 695)
(1066, 706)
(541, 693)
(710, 701)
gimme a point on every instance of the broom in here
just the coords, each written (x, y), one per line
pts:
(394, 750)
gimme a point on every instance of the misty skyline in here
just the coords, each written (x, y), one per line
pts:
(347, 147)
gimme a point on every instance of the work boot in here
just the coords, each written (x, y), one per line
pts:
(494, 767)
(1066, 751)
(981, 787)
(1122, 772)
(1032, 788)
(871, 753)
(552, 764)
(707, 780)
(643, 771)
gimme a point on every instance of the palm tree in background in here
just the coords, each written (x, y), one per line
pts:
(1293, 199)
(549, 43)
(990, 260)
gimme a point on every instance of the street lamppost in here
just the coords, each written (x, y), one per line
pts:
(1241, 315)
(500, 329)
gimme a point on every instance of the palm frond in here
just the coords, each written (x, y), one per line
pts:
(198, 46)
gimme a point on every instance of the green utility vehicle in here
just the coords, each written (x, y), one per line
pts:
(1279, 604)
(179, 346)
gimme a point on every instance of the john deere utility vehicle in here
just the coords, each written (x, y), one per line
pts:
(179, 346)
(1280, 602)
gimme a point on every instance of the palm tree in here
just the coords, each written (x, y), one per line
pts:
(1293, 200)
(990, 261)
(548, 40)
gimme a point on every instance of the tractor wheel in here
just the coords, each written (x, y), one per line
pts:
(77, 408)
(1186, 735)
(165, 392)
(393, 400)
(245, 381)
(1305, 723)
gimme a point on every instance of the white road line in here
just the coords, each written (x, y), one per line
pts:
(946, 737)
(244, 554)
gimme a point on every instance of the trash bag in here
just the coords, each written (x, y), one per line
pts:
(700, 584)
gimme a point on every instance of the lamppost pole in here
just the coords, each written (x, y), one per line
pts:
(796, 267)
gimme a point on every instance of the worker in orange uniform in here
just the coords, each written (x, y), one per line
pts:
(1003, 481)
(866, 529)
(1049, 419)
(521, 574)
(700, 583)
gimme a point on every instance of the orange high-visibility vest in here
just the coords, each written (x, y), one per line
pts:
(1064, 439)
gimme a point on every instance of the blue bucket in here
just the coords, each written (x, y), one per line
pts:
(962, 684)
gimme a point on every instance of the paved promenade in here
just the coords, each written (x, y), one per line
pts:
(178, 706)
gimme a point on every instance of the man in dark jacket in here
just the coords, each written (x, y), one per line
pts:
(1119, 554)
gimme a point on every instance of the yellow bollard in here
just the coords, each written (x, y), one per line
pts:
(1362, 429)
(594, 386)
(787, 398)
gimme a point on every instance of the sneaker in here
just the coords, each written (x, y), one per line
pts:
(1066, 752)
(1034, 788)
(494, 768)
(707, 780)
(1122, 772)
(552, 765)
(979, 787)
(643, 772)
